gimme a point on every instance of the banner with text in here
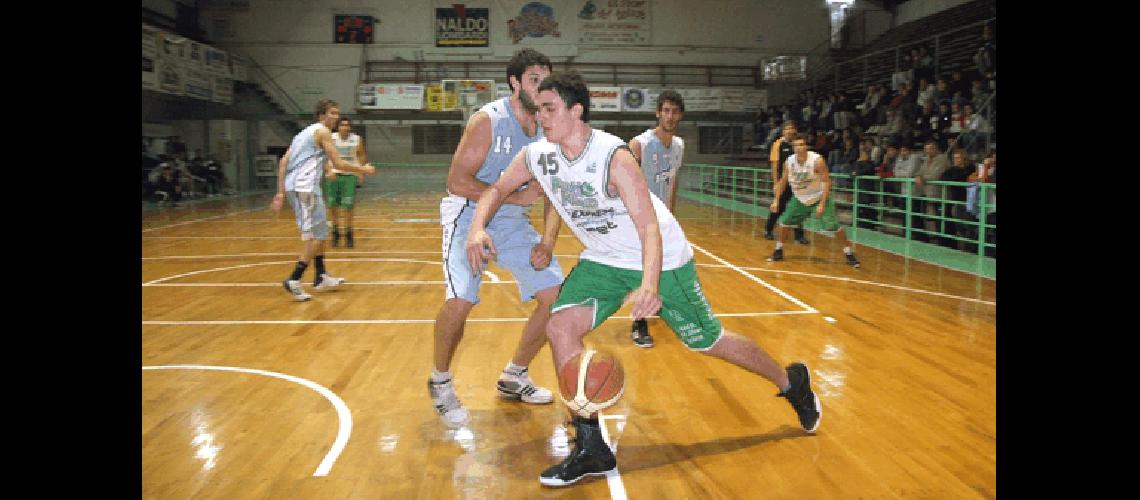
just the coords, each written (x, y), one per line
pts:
(149, 58)
(605, 99)
(743, 100)
(462, 25)
(392, 96)
(639, 100)
(701, 99)
(614, 22)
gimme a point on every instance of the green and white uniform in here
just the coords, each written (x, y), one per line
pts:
(808, 188)
(611, 265)
(342, 190)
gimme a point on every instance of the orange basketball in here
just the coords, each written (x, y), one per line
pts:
(591, 381)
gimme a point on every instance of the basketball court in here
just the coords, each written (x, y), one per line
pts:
(248, 394)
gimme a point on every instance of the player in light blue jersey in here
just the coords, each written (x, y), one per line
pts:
(493, 136)
(299, 174)
(660, 152)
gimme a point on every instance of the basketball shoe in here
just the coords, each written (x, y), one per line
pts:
(590, 456)
(640, 334)
(801, 397)
(851, 260)
(778, 255)
(294, 287)
(520, 387)
(447, 404)
(326, 282)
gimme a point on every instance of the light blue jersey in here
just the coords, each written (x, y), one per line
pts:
(509, 227)
(306, 163)
(659, 163)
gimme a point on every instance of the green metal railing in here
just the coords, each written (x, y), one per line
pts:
(877, 212)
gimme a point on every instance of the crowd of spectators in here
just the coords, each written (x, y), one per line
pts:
(171, 175)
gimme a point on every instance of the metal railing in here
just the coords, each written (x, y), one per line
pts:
(875, 209)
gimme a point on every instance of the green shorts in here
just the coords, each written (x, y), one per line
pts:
(796, 212)
(340, 191)
(683, 307)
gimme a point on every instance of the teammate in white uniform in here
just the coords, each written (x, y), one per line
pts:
(660, 153)
(806, 173)
(635, 253)
(299, 174)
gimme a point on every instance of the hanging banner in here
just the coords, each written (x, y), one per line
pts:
(170, 65)
(743, 100)
(434, 100)
(391, 96)
(217, 62)
(605, 99)
(701, 99)
(199, 85)
(535, 22)
(614, 22)
(639, 100)
(462, 26)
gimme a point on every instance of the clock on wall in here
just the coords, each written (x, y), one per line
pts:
(353, 29)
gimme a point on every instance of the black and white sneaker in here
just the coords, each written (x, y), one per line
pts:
(778, 255)
(590, 457)
(802, 398)
(294, 288)
(520, 388)
(851, 260)
(640, 334)
(447, 404)
(325, 282)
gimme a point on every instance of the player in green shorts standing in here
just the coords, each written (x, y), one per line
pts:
(636, 253)
(806, 173)
(341, 186)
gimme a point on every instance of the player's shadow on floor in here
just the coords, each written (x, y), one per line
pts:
(632, 457)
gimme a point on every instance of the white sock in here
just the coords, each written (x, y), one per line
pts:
(847, 250)
(779, 245)
(438, 376)
(514, 369)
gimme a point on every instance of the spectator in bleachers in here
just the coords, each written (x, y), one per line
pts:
(941, 91)
(986, 56)
(926, 91)
(904, 167)
(981, 94)
(959, 170)
(869, 110)
(945, 121)
(897, 125)
(931, 167)
(877, 149)
(844, 163)
(923, 128)
(865, 166)
(975, 131)
(959, 88)
(925, 66)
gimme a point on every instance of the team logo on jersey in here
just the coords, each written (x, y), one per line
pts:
(575, 195)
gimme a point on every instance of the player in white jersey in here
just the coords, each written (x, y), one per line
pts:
(340, 187)
(806, 173)
(636, 253)
(299, 174)
(493, 136)
(660, 153)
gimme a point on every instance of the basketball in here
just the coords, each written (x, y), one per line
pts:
(590, 382)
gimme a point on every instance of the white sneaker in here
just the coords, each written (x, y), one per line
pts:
(447, 404)
(327, 283)
(520, 387)
(294, 287)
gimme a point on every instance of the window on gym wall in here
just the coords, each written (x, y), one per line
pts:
(435, 139)
(725, 140)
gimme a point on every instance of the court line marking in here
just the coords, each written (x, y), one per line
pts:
(748, 275)
(874, 283)
(158, 282)
(299, 239)
(344, 417)
(761, 269)
(613, 477)
(414, 321)
(200, 220)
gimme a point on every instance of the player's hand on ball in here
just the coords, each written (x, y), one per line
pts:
(480, 250)
(645, 302)
(540, 256)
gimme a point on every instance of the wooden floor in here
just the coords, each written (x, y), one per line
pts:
(247, 394)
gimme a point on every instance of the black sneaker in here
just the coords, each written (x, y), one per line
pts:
(590, 457)
(801, 397)
(801, 239)
(640, 334)
(778, 255)
(851, 260)
(335, 237)
(348, 238)
(769, 236)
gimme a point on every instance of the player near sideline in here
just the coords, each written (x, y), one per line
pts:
(659, 151)
(493, 136)
(299, 174)
(806, 173)
(635, 253)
